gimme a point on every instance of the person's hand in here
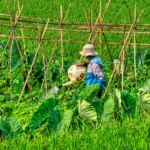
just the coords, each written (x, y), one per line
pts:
(80, 64)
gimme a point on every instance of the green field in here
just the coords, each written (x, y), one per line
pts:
(75, 118)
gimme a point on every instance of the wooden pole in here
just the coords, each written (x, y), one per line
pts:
(100, 37)
(132, 26)
(61, 37)
(15, 24)
(135, 75)
(33, 62)
(122, 62)
(56, 42)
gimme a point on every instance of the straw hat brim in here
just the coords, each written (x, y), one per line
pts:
(83, 53)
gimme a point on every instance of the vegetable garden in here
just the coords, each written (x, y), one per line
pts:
(40, 41)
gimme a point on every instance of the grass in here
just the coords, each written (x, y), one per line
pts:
(132, 134)
(117, 14)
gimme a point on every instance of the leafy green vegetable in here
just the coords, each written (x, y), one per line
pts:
(43, 112)
(144, 102)
(128, 103)
(86, 110)
(89, 92)
(146, 87)
(11, 129)
(65, 121)
(108, 111)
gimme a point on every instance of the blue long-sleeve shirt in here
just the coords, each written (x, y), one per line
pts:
(95, 74)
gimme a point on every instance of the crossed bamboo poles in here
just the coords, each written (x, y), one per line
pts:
(92, 28)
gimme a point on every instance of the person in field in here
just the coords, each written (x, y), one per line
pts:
(94, 66)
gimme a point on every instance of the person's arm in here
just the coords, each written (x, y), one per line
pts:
(81, 64)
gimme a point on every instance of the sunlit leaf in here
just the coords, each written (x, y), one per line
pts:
(15, 127)
(146, 87)
(65, 121)
(86, 110)
(117, 99)
(108, 111)
(144, 102)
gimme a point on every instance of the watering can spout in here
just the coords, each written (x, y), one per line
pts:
(68, 83)
(75, 74)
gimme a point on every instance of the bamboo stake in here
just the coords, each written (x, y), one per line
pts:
(76, 41)
(132, 26)
(45, 73)
(44, 63)
(56, 42)
(15, 24)
(25, 71)
(122, 62)
(96, 23)
(100, 28)
(83, 25)
(106, 7)
(22, 32)
(10, 54)
(61, 37)
(86, 16)
(33, 62)
(135, 49)
(64, 22)
(102, 31)
(109, 31)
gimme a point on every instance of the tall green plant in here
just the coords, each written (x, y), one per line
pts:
(144, 97)
(44, 113)
(128, 103)
(11, 128)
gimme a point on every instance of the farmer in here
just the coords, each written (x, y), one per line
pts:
(94, 67)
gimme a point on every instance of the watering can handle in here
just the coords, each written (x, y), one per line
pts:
(80, 58)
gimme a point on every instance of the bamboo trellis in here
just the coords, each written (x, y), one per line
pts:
(90, 28)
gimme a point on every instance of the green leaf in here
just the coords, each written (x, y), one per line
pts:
(144, 102)
(30, 58)
(42, 113)
(108, 111)
(117, 99)
(15, 63)
(15, 57)
(4, 127)
(141, 57)
(98, 105)
(65, 121)
(128, 103)
(89, 92)
(146, 87)
(11, 129)
(54, 119)
(15, 127)
(86, 110)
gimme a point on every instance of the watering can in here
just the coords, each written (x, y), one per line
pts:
(75, 74)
